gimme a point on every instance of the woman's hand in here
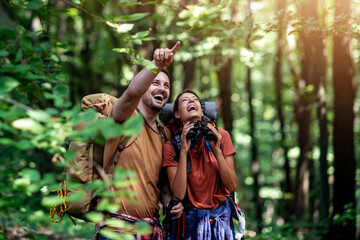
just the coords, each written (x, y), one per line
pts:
(186, 143)
(216, 144)
(177, 174)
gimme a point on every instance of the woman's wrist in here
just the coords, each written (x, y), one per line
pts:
(217, 151)
(183, 151)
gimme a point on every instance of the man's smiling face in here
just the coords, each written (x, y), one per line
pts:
(158, 93)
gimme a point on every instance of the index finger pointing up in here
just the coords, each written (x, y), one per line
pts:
(175, 48)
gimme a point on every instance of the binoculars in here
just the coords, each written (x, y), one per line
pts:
(200, 130)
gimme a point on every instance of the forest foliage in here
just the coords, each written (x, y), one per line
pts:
(257, 60)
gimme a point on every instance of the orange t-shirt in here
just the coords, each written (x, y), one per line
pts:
(204, 179)
(144, 156)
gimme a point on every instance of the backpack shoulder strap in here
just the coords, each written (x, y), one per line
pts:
(113, 149)
(176, 143)
(126, 142)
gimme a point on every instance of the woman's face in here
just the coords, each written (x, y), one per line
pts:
(189, 108)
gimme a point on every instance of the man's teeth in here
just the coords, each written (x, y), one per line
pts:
(159, 97)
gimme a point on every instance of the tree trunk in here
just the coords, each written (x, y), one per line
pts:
(344, 95)
(254, 149)
(189, 76)
(304, 99)
(170, 70)
(225, 79)
(319, 76)
(286, 186)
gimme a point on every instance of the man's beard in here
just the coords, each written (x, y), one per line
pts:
(153, 106)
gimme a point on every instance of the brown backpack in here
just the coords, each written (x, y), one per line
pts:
(89, 162)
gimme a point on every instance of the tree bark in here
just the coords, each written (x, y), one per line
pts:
(344, 95)
(189, 74)
(286, 185)
(304, 99)
(319, 76)
(225, 82)
(254, 149)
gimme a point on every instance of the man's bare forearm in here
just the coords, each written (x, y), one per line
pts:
(128, 102)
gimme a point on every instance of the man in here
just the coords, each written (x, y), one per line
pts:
(147, 93)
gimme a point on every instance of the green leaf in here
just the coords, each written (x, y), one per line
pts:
(113, 235)
(242, 32)
(121, 50)
(134, 125)
(142, 228)
(94, 217)
(52, 200)
(19, 56)
(248, 22)
(7, 34)
(30, 173)
(105, 205)
(21, 182)
(121, 174)
(184, 14)
(123, 28)
(76, 196)
(26, 43)
(61, 90)
(309, 88)
(131, 17)
(141, 34)
(35, 4)
(149, 65)
(62, 45)
(24, 145)
(45, 46)
(86, 116)
(255, 38)
(150, 2)
(22, 69)
(103, 2)
(4, 53)
(148, 39)
(39, 115)
(28, 124)
(109, 127)
(46, 86)
(137, 41)
(7, 141)
(54, 57)
(117, 223)
(7, 84)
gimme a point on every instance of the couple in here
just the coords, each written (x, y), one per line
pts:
(207, 211)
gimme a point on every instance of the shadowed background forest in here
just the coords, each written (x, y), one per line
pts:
(283, 74)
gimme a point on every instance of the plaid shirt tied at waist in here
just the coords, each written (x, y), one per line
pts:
(158, 232)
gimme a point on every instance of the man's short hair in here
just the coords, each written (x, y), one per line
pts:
(166, 72)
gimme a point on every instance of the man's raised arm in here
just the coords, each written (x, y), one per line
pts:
(128, 102)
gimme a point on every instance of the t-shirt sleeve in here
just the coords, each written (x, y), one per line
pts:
(226, 144)
(168, 155)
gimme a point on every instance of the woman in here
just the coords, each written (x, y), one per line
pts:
(212, 177)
